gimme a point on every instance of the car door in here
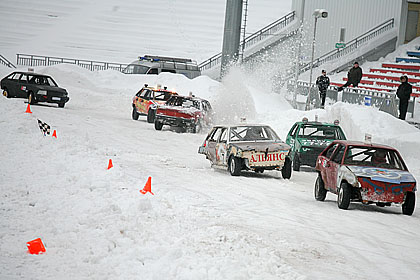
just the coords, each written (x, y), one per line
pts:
(22, 86)
(12, 83)
(221, 147)
(143, 101)
(324, 163)
(211, 145)
(333, 166)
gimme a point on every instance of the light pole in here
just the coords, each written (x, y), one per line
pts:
(318, 13)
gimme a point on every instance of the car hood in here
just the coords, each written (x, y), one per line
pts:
(261, 146)
(383, 174)
(315, 142)
(185, 110)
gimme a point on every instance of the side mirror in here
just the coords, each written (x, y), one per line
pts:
(202, 150)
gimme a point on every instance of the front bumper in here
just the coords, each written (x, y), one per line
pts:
(175, 121)
(309, 155)
(376, 191)
(51, 99)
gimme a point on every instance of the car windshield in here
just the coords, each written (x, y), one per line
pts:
(373, 157)
(252, 133)
(311, 131)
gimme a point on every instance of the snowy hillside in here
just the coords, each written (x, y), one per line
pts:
(201, 222)
(119, 32)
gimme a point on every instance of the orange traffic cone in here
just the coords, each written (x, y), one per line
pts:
(148, 187)
(110, 164)
(35, 246)
(28, 109)
(54, 134)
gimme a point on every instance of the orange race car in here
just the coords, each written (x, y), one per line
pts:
(146, 101)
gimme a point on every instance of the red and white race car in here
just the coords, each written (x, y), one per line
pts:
(247, 147)
(368, 173)
(147, 100)
(189, 112)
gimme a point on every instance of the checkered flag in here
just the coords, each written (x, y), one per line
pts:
(44, 127)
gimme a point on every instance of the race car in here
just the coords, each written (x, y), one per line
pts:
(147, 100)
(188, 112)
(309, 138)
(364, 172)
(247, 147)
(35, 87)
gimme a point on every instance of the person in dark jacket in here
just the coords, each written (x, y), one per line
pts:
(403, 92)
(323, 82)
(353, 76)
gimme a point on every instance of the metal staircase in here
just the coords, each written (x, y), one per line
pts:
(6, 62)
(252, 39)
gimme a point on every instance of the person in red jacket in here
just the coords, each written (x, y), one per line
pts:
(403, 92)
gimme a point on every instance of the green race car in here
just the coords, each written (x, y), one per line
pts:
(309, 139)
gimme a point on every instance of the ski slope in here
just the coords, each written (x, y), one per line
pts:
(201, 222)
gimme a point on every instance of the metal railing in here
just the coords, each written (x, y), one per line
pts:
(6, 62)
(252, 39)
(351, 45)
(39, 60)
(386, 101)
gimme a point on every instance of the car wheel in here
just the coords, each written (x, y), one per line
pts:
(197, 127)
(343, 198)
(380, 204)
(135, 115)
(409, 204)
(61, 105)
(320, 191)
(259, 170)
(158, 125)
(151, 114)
(296, 163)
(235, 166)
(6, 93)
(286, 171)
(31, 98)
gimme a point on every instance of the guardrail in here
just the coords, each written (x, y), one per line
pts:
(6, 62)
(39, 60)
(351, 45)
(252, 39)
(386, 101)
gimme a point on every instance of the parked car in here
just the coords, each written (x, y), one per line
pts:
(150, 64)
(247, 147)
(189, 112)
(35, 87)
(368, 173)
(147, 100)
(309, 138)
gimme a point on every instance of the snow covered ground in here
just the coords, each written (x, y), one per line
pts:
(201, 222)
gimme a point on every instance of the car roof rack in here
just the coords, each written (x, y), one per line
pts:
(166, 59)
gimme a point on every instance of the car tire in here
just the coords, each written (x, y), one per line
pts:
(343, 196)
(158, 125)
(380, 204)
(151, 114)
(286, 171)
(235, 166)
(134, 114)
(409, 204)
(61, 105)
(296, 163)
(320, 192)
(197, 127)
(31, 98)
(6, 93)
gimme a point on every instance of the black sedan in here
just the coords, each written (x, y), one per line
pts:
(35, 87)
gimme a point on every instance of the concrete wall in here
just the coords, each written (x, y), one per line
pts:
(356, 16)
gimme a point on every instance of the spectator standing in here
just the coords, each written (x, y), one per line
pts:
(323, 82)
(353, 76)
(403, 92)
